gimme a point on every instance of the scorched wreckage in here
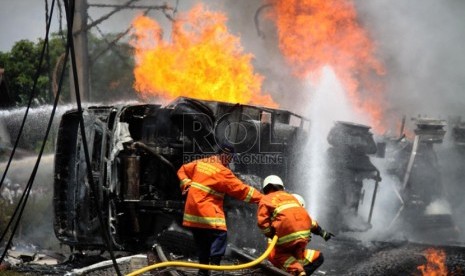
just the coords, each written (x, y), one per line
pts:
(136, 151)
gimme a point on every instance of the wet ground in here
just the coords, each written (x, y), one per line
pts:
(343, 256)
(351, 257)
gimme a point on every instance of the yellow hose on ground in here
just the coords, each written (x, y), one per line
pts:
(211, 267)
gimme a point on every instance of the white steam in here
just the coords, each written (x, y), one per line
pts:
(328, 104)
(421, 42)
(439, 206)
(36, 226)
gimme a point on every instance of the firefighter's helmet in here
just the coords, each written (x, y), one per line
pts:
(300, 199)
(272, 180)
(226, 147)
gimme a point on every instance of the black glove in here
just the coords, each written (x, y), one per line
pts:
(271, 233)
(326, 235)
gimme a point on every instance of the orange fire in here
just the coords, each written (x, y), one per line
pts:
(202, 60)
(436, 263)
(317, 33)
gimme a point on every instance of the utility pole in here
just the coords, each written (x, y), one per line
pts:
(81, 51)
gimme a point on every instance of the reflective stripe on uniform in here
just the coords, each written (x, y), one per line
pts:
(249, 194)
(288, 262)
(266, 230)
(283, 207)
(294, 236)
(185, 181)
(206, 189)
(309, 254)
(207, 169)
(205, 220)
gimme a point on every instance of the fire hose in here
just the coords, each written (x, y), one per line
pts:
(211, 267)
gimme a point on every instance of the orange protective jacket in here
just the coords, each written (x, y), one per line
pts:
(207, 182)
(279, 213)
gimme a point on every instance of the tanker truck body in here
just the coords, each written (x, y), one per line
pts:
(135, 151)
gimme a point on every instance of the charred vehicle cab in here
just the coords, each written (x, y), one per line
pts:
(135, 152)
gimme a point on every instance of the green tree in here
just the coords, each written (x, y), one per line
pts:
(111, 66)
(21, 65)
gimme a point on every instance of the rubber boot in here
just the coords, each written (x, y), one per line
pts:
(215, 260)
(311, 267)
(203, 272)
(203, 260)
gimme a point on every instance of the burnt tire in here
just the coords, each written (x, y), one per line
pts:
(177, 242)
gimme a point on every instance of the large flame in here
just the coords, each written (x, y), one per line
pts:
(317, 33)
(202, 60)
(436, 263)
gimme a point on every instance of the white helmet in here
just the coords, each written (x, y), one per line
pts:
(272, 180)
(300, 199)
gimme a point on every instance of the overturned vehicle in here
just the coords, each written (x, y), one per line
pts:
(423, 213)
(349, 165)
(135, 152)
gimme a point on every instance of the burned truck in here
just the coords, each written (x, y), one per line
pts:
(423, 213)
(349, 165)
(135, 152)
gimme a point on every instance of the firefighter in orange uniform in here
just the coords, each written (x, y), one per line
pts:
(206, 181)
(281, 214)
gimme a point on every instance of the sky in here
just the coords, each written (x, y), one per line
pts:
(21, 20)
(420, 41)
(25, 19)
